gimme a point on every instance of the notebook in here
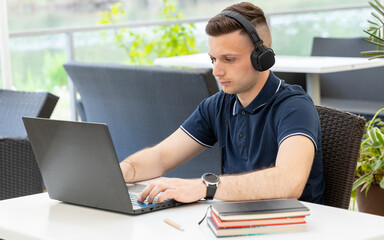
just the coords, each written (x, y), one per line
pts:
(261, 209)
(79, 165)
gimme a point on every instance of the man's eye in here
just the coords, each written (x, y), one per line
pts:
(213, 60)
(229, 60)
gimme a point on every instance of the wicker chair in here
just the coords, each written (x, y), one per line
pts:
(142, 105)
(342, 133)
(19, 173)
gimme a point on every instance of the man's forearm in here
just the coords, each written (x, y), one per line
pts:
(264, 184)
(139, 166)
(156, 161)
(286, 180)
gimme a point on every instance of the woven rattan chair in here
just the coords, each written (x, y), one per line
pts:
(342, 133)
(19, 173)
(142, 105)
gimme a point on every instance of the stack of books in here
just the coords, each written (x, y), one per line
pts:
(257, 217)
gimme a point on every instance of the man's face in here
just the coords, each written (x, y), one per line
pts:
(230, 54)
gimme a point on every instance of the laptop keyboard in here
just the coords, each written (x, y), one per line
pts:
(141, 204)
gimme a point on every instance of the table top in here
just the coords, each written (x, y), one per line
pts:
(39, 217)
(297, 64)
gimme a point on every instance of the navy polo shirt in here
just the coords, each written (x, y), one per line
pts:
(250, 137)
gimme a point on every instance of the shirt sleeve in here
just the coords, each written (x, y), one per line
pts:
(200, 125)
(298, 116)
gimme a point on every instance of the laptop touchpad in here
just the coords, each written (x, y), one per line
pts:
(135, 188)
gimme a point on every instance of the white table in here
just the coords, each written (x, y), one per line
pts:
(38, 217)
(310, 65)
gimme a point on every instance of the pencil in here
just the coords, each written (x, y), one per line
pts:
(173, 224)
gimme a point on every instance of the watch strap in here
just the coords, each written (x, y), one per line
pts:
(211, 190)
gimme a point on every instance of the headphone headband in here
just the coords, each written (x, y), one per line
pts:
(247, 25)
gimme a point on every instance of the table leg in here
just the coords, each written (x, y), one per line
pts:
(313, 87)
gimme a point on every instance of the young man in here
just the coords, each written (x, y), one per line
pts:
(270, 131)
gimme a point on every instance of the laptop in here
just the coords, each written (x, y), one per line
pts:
(79, 165)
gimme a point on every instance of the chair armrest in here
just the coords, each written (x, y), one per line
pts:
(19, 172)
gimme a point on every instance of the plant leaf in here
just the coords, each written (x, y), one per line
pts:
(373, 23)
(379, 4)
(372, 136)
(377, 165)
(377, 17)
(374, 43)
(375, 57)
(375, 37)
(374, 117)
(382, 183)
(360, 181)
(377, 8)
(380, 136)
(372, 52)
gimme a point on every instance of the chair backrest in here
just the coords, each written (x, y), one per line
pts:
(342, 133)
(19, 173)
(142, 105)
(362, 84)
(16, 104)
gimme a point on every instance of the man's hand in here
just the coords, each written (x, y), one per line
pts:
(181, 190)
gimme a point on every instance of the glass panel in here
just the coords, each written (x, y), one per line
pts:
(292, 34)
(37, 61)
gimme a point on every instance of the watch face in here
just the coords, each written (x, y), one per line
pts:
(211, 178)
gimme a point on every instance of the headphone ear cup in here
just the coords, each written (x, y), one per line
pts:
(267, 59)
(263, 60)
(255, 59)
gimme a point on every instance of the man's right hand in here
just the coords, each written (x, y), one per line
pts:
(181, 190)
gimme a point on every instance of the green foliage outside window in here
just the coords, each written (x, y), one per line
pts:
(163, 41)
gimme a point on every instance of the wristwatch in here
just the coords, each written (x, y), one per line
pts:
(212, 181)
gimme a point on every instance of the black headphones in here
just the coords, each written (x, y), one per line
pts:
(262, 57)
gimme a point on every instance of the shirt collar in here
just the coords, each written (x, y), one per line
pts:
(271, 87)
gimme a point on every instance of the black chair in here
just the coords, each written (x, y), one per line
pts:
(19, 173)
(342, 133)
(357, 91)
(142, 105)
(293, 78)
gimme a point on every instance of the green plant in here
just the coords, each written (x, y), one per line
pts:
(375, 31)
(162, 41)
(54, 72)
(370, 166)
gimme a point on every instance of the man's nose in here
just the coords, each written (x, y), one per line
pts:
(218, 69)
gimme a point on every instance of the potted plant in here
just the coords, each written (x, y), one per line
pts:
(368, 189)
(369, 186)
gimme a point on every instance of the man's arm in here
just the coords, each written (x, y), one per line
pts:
(156, 161)
(286, 180)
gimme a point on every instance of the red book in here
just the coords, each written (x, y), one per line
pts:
(257, 222)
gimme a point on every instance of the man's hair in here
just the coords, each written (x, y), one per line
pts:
(220, 24)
